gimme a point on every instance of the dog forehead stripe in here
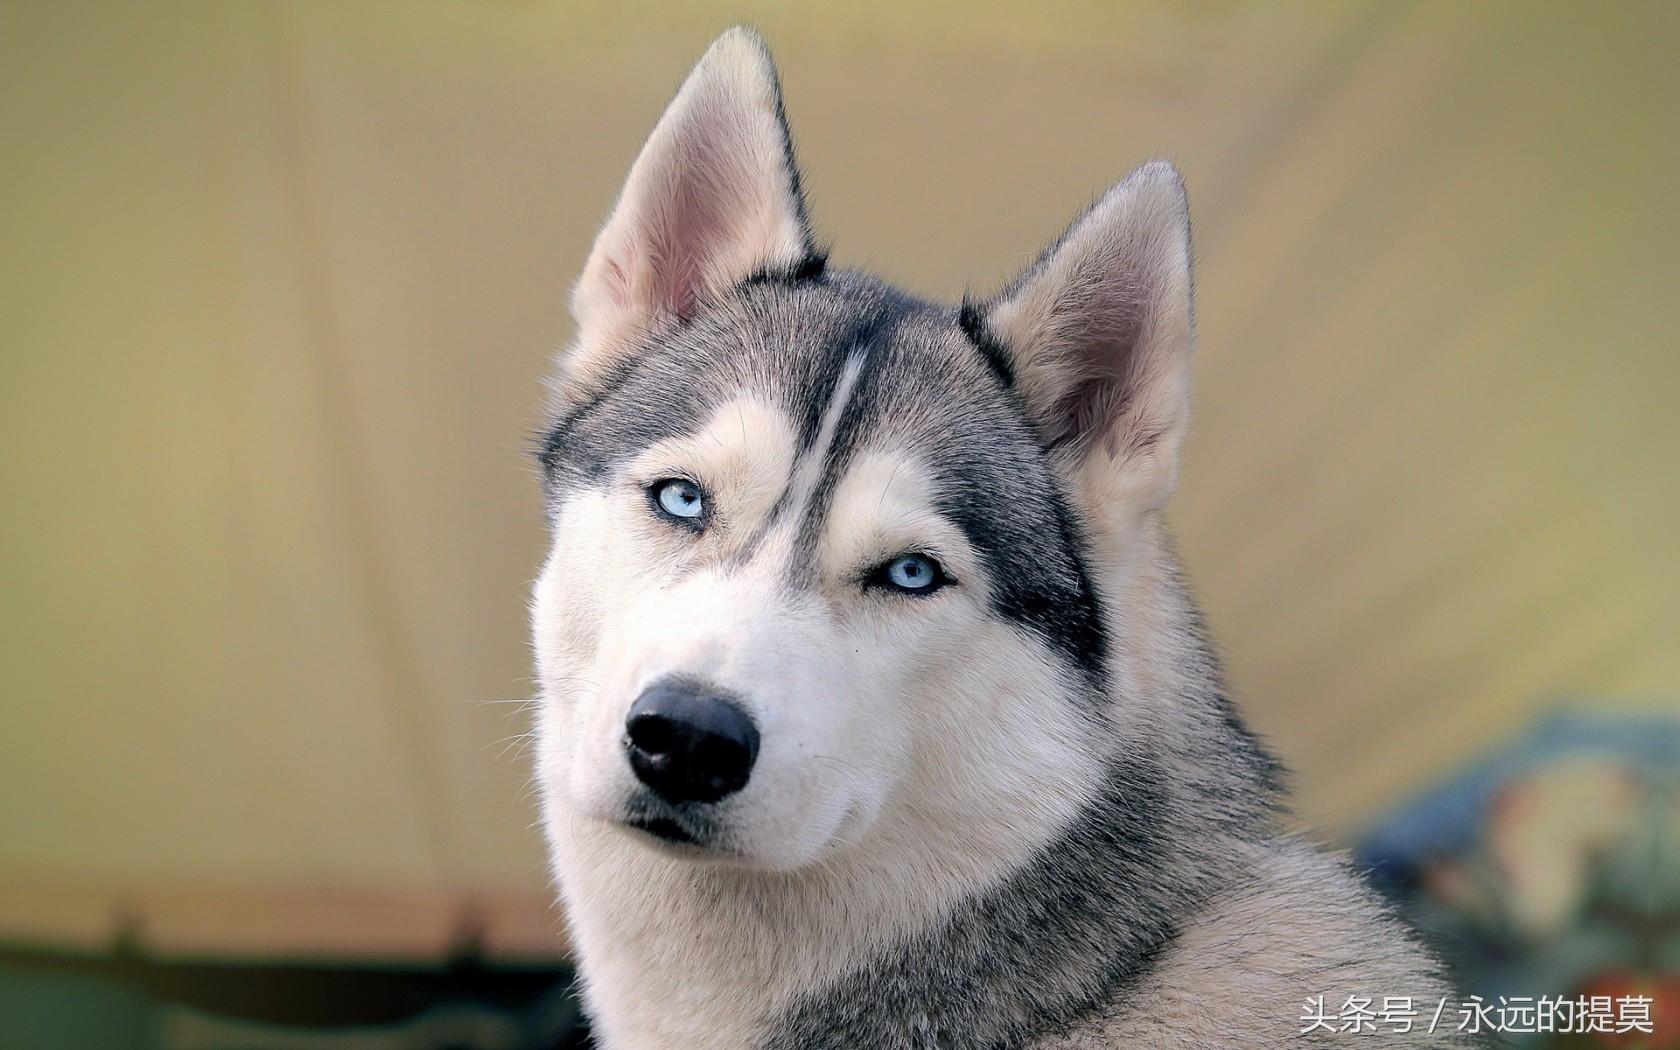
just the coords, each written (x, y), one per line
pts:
(808, 472)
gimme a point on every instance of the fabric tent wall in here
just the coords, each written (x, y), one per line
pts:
(281, 281)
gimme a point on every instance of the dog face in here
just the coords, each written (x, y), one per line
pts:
(829, 563)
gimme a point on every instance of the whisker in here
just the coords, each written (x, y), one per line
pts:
(515, 743)
(882, 499)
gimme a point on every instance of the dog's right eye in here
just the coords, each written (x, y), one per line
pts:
(679, 500)
(913, 574)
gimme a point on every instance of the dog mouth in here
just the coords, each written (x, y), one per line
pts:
(664, 829)
(671, 829)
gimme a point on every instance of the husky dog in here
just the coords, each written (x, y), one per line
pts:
(874, 711)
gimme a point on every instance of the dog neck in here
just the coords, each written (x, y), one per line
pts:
(1036, 951)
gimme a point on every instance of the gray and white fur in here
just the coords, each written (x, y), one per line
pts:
(1008, 807)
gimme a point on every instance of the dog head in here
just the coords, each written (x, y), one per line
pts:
(831, 563)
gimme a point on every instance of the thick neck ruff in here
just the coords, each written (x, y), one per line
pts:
(1040, 950)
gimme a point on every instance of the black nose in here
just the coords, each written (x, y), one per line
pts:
(689, 744)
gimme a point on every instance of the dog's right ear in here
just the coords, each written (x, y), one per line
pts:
(1097, 335)
(712, 199)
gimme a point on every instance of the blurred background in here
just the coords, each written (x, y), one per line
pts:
(281, 282)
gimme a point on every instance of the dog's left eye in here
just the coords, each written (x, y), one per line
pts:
(915, 574)
(680, 500)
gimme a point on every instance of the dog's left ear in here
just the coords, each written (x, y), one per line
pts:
(1098, 336)
(712, 199)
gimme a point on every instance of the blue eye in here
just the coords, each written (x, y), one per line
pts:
(679, 499)
(912, 574)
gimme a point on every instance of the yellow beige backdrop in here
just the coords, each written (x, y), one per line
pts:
(279, 282)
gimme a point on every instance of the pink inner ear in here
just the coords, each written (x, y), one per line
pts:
(618, 283)
(711, 198)
(677, 272)
(708, 199)
(1105, 320)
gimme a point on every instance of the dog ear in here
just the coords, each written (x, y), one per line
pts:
(1098, 336)
(712, 199)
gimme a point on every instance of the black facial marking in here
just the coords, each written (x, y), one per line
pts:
(1037, 561)
(810, 267)
(564, 458)
(971, 318)
(849, 339)
(870, 342)
(854, 337)
(585, 446)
